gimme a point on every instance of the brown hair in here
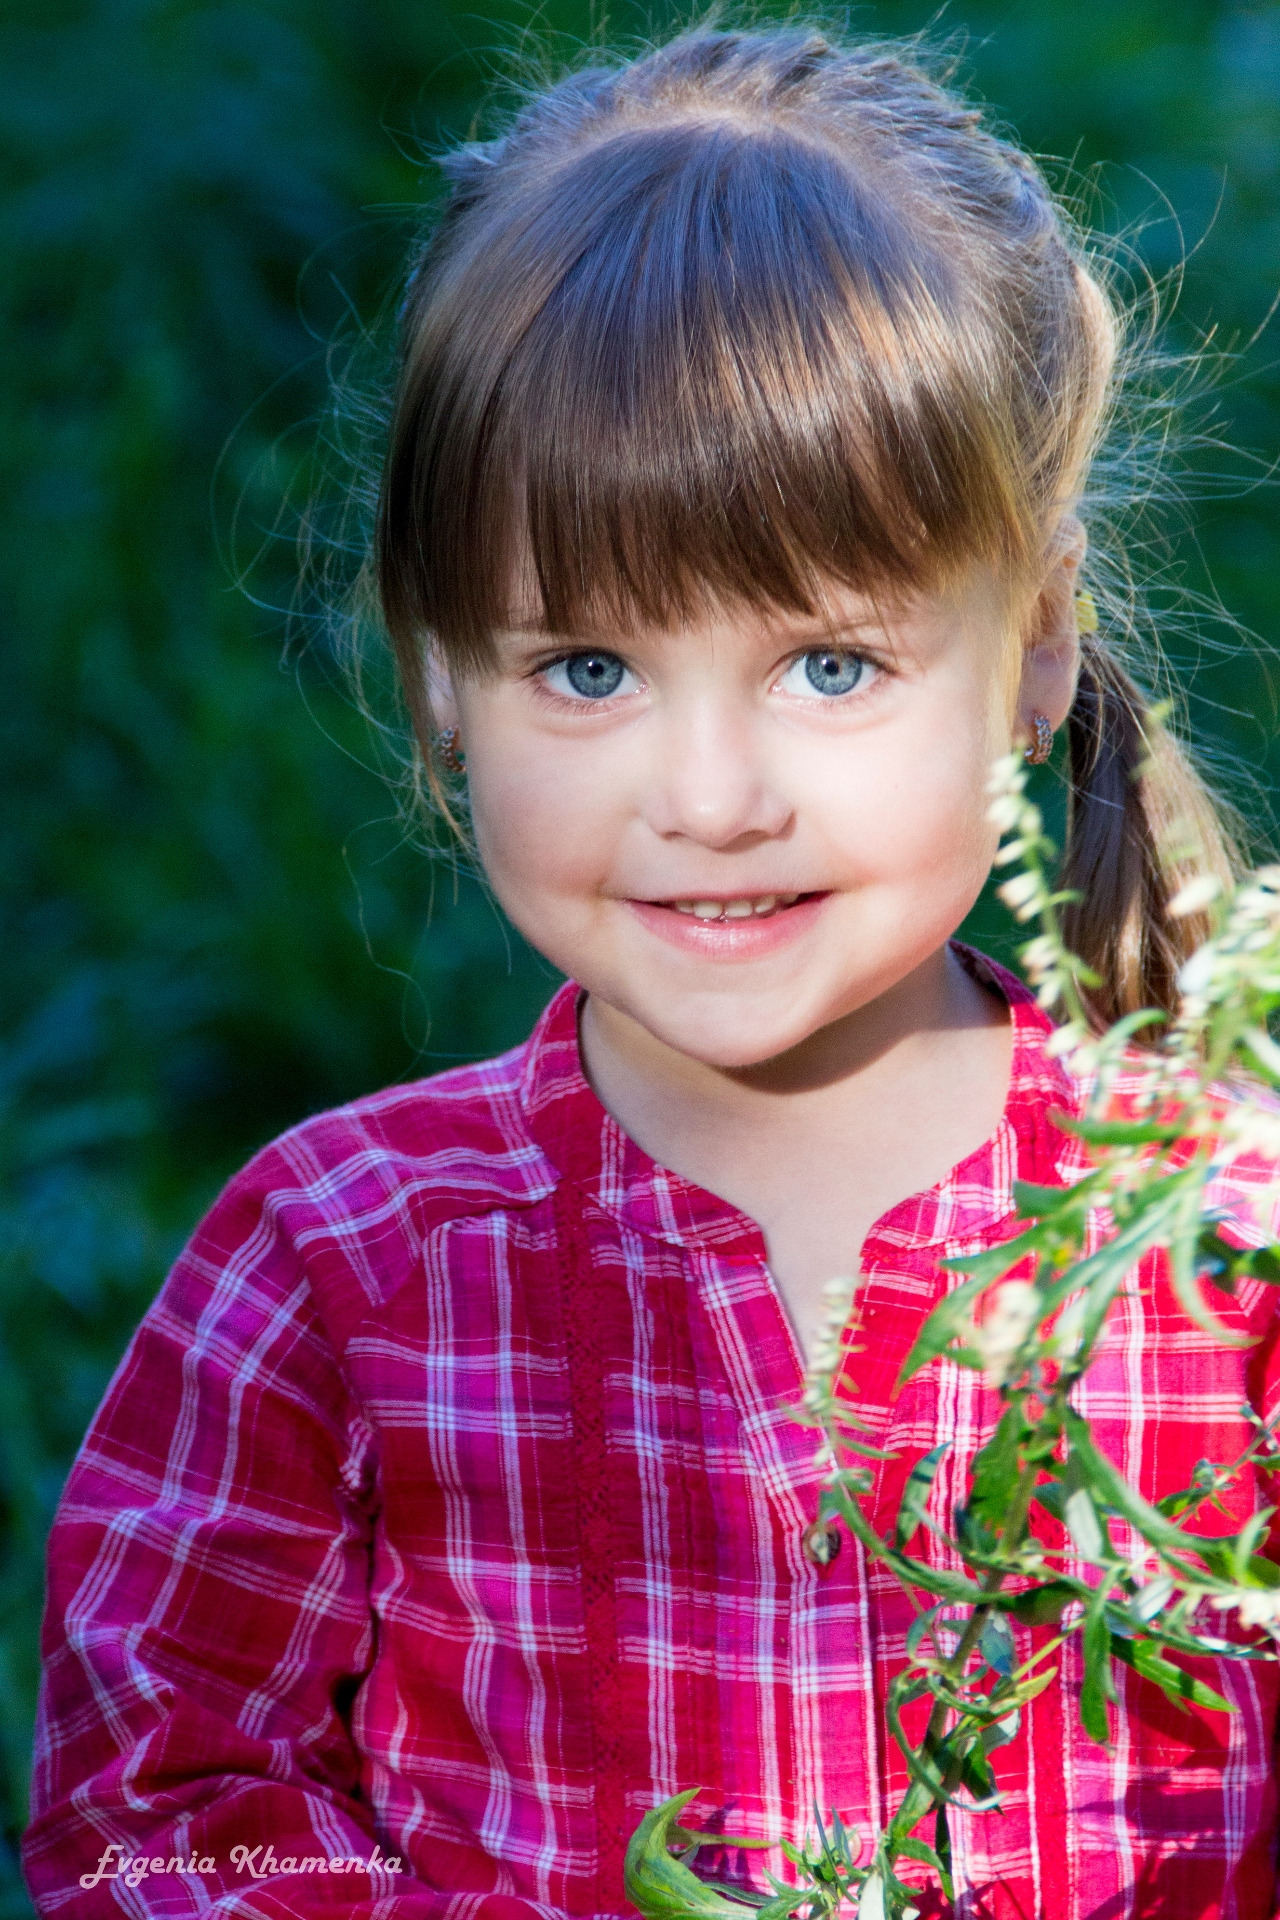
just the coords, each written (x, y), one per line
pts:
(754, 311)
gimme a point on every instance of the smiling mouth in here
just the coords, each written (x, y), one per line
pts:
(760, 906)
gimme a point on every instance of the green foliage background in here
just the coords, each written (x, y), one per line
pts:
(212, 925)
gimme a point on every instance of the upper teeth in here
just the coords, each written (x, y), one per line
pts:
(734, 909)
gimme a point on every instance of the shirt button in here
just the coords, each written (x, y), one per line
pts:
(821, 1542)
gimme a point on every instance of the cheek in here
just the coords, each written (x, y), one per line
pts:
(542, 825)
(912, 802)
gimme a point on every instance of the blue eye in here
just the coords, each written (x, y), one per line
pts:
(590, 676)
(827, 674)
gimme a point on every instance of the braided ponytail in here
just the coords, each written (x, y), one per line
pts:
(1140, 822)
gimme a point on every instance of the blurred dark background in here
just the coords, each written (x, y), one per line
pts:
(213, 922)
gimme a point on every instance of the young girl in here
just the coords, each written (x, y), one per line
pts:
(448, 1511)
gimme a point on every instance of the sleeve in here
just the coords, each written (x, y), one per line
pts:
(208, 1617)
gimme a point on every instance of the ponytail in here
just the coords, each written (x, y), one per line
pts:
(1141, 821)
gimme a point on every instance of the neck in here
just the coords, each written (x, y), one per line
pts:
(818, 1143)
(639, 1078)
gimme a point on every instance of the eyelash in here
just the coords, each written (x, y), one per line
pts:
(863, 659)
(539, 670)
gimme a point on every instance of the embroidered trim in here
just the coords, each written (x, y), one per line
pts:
(583, 1324)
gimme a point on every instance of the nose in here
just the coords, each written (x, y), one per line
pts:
(713, 779)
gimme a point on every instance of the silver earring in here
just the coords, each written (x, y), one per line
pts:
(1042, 745)
(449, 743)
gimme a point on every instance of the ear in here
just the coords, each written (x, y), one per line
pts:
(440, 693)
(1051, 642)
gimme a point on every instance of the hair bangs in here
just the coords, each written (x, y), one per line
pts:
(737, 371)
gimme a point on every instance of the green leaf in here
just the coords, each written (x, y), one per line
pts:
(1054, 1203)
(1044, 1606)
(1261, 1263)
(921, 1625)
(1113, 1490)
(1180, 1686)
(915, 1494)
(1151, 1599)
(995, 1469)
(682, 1834)
(928, 1856)
(996, 1645)
(1243, 1555)
(936, 1580)
(948, 1586)
(919, 1765)
(978, 1777)
(1001, 1732)
(1029, 1688)
(1103, 1273)
(1184, 1266)
(1089, 1532)
(949, 1321)
(1260, 1571)
(660, 1885)
(977, 1541)
(992, 1262)
(1044, 1202)
(840, 1841)
(784, 1903)
(1121, 1133)
(1051, 1495)
(1098, 1688)
(942, 1845)
(1224, 1265)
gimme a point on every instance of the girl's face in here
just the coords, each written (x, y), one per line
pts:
(742, 831)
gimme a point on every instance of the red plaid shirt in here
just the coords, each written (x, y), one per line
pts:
(447, 1512)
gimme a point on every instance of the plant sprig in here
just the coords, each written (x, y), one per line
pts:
(1204, 1087)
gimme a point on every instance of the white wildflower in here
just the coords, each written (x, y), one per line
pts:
(871, 1900)
(1251, 1129)
(1039, 956)
(1022, 890)
(824, 1354)
(1264, 1050)
(1083, 1058)
(1195, 976)
(1068, 1039)
(1049, 991)
(999, 1338)
(1008, 774)
(1256, 1606)
(1005, 812)
(1194, 894)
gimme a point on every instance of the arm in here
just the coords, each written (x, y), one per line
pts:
(208, 1619)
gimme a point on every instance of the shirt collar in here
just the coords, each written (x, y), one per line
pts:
(586, 1145)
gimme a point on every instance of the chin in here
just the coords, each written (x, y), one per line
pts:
(730, 1038)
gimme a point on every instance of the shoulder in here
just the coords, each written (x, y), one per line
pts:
(458, 1142)
(346, 1199)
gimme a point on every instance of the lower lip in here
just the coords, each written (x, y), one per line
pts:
(731, 939)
